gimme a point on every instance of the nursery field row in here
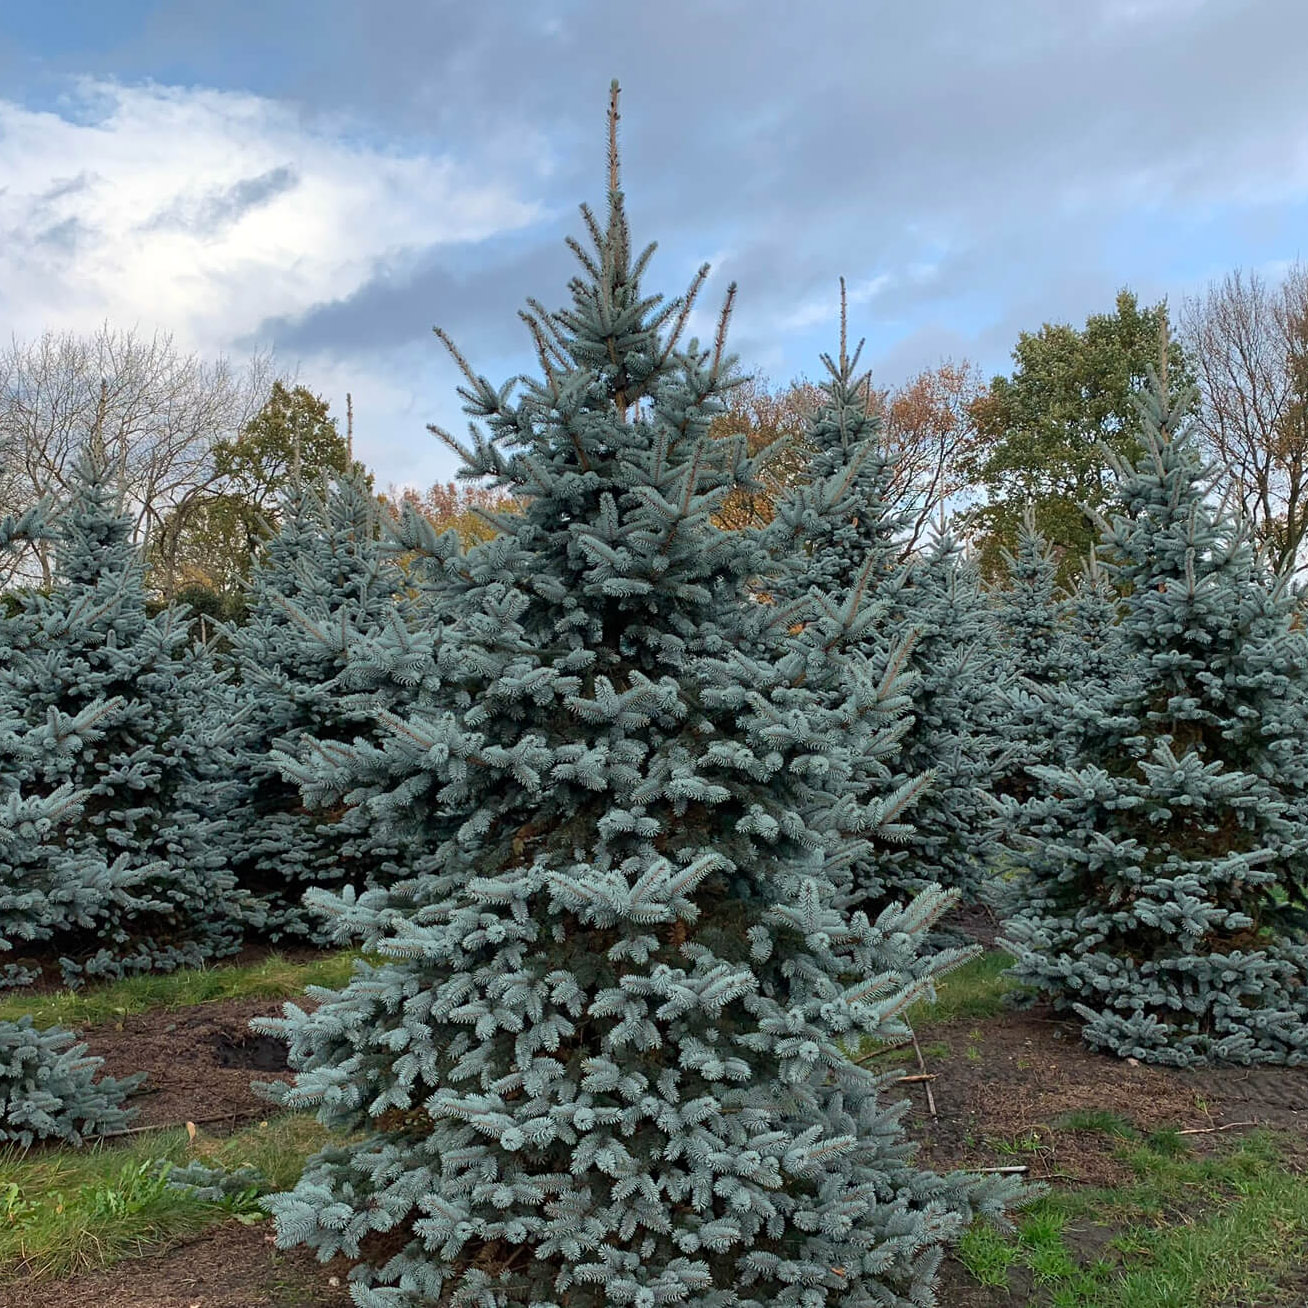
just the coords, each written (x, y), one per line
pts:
(1195, 1196)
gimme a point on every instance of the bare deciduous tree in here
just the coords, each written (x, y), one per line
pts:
(929, 430)
(1248, 341)
(159, 412)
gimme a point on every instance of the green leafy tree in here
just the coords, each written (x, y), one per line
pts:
(213, 535)
(292, 438)
(1042, 432)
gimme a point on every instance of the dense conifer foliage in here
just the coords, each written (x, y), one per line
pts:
(1165, 897)
(1093, 611)
(1031, 625)
(324, 581)
(839, 540)
(960, 730)
(835, 543)
(1031, 611)
(603, 1058)
(49, 1090)
(106, 724)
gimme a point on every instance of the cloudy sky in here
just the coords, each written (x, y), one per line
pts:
(333, 177)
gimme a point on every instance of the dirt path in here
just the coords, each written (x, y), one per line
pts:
(1003, 1087)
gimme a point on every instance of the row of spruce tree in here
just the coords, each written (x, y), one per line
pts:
(644, 826)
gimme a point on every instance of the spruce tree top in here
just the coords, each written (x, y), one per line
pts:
(1217, 650)
(1092, 614)
(608, 619)
(1032, 611)
(843, 527)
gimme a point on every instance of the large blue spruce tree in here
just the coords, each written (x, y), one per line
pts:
(1165, 897)
(602, 1060)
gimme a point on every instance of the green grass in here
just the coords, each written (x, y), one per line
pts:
(274, 977)
(1097, 1120)
(66, 1212)
(969, 993)
(1188, 1232)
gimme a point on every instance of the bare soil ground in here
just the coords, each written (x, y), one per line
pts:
(199, 1062)
(1003, 1088)
(232, 1266)
(1004, 1082)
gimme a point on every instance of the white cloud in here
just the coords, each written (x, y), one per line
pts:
(205, 212)
(394, 397)
(826, 308)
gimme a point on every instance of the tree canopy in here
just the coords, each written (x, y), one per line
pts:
(1041, 432)
(212, 536)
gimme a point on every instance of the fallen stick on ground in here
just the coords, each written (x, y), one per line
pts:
(910, 1080)
(1002, 1171)
(170, 1126)
(1210, 1130)
(921, 1062)
(863, 1059)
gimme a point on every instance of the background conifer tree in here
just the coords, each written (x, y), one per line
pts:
(836, 540)
(324, 581)
(841, 524)
(1030, 620)
(602, 1062)
(99, 700)
(1093, 610)
(1166, 890)
(960, 717)
(842, 536)
(1031, 610)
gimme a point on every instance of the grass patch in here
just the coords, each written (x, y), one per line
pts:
(67, 1212)
(1099, 1121)
(987, 1255)
(274, 977)
(1188, 1231)
(972, 992)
